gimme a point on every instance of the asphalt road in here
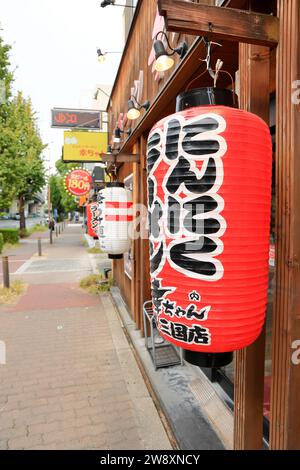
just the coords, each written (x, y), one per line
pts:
(16, 223)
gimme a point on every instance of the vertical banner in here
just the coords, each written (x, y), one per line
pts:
(92, 214)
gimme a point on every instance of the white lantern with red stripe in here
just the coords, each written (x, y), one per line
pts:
(115, 219)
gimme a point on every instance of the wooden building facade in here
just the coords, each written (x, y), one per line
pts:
(260, 52)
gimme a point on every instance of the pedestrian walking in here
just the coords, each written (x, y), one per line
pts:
(51, 225)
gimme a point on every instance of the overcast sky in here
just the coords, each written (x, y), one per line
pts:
(54, 54)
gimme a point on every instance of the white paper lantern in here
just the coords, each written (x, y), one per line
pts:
(115, 219)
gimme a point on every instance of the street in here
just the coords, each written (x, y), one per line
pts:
(30, 222)
(70, 380)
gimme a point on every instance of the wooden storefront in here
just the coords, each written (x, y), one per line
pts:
(260, 52)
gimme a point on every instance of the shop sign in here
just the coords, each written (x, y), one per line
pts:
(78, 182)
(74, 118)
(84, 146)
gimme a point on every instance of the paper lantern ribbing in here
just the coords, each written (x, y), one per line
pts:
(209, 186)
(115, 219)
(92, 219)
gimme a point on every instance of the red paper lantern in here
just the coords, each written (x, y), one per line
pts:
(209, 184)
(92, 219)
(78, 182)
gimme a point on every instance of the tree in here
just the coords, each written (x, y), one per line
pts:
(26, 146)
(6, 78)
(21, 166)
(6, 176)
(60, 199)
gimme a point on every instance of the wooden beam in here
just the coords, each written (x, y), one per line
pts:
(285, 415)
(173, 86)
(219, 23)
(120, 158)
(249, 362)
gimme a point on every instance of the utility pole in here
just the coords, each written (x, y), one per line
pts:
(49, 197)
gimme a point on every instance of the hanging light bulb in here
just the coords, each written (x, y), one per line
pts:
(164, 63)
(101, 59)
(164, 60)
(117, 135)
(102, 55)
(134, 108)
(133, 113)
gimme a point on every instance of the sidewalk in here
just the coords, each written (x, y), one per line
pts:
(70, 379)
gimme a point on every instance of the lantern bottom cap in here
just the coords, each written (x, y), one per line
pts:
(115, 256)
(210, 360)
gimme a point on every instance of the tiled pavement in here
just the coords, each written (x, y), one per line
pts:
(70, 379)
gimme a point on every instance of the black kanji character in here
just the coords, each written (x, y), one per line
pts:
(179, 332)
(198, 335)
(158, 294)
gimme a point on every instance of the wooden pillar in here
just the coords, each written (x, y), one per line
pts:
(285, 415)
(145, 291)
(136, 278)
(249, 363)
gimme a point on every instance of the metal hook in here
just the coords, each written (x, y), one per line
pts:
(208, 45)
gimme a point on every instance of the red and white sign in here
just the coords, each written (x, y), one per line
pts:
(78, 182)
(92, 215)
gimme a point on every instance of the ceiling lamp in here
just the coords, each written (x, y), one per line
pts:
(102, 55)
(164, 60)
(117, 134)
(107, 3)
(134, 108)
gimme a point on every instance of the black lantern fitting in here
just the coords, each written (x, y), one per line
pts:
(106, 3)
(134, 108)
(102, 55)
(117, 134)
(163, 59)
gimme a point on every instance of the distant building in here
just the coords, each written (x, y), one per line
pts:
(33, 207)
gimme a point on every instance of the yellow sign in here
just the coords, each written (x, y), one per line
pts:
(84, 146)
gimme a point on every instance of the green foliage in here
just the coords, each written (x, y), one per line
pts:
(10, 235)
(60, 199)
(21, 166)
(24, 233)
(6, 78)
(17, 288)
(95, 284)
(94, 250)
(38, 228)
(63, 168)
(1, 242)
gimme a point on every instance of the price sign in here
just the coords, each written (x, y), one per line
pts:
(78, 182)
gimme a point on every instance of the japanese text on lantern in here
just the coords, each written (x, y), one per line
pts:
(185, 173)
